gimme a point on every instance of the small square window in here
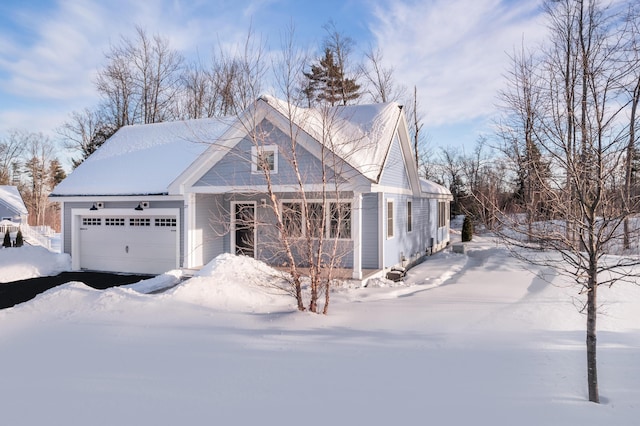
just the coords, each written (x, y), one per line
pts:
(264, 159)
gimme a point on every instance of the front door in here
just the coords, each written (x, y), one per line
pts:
(244, 229)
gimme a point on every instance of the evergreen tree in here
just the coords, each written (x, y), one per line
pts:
(56, 173)
(19, 239)
(101, 134)
(327, 82)
(7, 239)
(467, 229)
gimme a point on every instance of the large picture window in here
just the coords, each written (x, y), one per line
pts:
(335, 221)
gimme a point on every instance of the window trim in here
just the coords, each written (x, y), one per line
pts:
(409, 216)
(255, 156)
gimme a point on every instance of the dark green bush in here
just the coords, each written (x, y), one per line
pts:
(467, 229)
(19, 239)
(7, 239)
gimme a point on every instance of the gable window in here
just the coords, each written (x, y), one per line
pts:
(340, 220)
(389, 218)
(264, 159)
(409, 217)
(292, 219)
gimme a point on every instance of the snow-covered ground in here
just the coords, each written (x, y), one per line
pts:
(466, 339)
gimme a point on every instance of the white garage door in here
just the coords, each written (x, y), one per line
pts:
(146, 245)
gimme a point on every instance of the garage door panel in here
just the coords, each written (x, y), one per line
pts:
(129, 247)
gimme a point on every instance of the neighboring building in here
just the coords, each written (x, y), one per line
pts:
(12, 207)
(176, 194)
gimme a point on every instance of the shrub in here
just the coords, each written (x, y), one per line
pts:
(7, 239)
(467, 229)
(19, 239)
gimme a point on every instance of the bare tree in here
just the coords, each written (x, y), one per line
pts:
(633, 91)
(580, 131)
(140, 82)
(309, 222)
(381, 84)
(11, 148)
(39, 156)
(85, 131)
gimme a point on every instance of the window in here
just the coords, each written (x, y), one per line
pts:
(389, 218)
(409, 217)
(292, 219)
(91, 221)
(139, 221)
(162, 221)
(264, 158)
(338, 217)
(114, 221)
(315, 216)
(443, 213)
(340, 220)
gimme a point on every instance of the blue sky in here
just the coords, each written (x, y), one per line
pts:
(454, 51)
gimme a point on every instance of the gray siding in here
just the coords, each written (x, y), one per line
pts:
(234, 169)
(269, 244)
(395, 173)
(7, 212)
(408, 244)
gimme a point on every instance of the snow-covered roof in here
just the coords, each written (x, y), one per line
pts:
(143, 159)
(10, 196)
(430, 187)
(146, 159)
(359, 134)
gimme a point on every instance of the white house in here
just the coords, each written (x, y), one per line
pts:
(176, 194)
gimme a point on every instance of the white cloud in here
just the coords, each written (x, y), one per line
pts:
(454, 51)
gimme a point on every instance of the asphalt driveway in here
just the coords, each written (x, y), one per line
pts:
(16, 292)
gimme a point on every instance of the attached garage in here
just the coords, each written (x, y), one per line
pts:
(117, 240)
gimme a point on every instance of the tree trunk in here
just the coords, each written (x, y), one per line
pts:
(592, 367)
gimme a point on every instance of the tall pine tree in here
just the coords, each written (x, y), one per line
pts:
(326, 82)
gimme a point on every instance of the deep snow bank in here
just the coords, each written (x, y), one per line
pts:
(20, 263)
(236, 283)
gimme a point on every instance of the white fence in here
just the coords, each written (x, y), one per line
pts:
(36, 236)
